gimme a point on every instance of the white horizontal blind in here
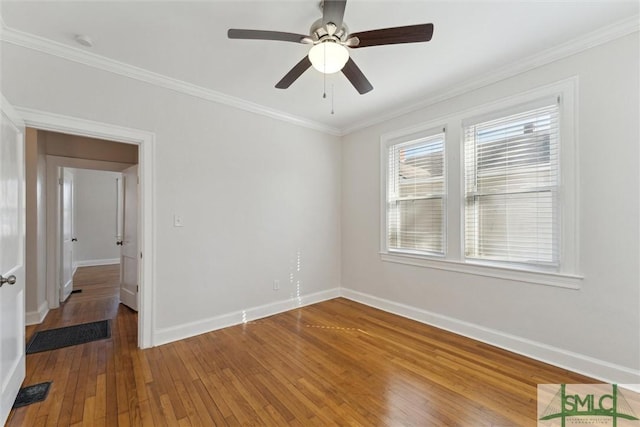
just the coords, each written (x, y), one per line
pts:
(511, 188)
(415, 196)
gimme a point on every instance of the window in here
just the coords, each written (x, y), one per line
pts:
(496, 197)
(512, 177)
(415, 217)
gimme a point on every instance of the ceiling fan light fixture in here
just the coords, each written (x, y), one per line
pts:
(328, 57)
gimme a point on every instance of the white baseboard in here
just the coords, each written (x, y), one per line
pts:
(589, 366)
(36, 317)
(94, 262)
(175, 333)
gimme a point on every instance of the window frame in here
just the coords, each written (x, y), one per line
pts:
(567, 275)
(415, 136)
(555, 191)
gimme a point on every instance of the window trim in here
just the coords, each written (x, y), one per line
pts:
(512, 273)
(568, 274)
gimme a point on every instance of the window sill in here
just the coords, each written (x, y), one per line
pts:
(560, 280)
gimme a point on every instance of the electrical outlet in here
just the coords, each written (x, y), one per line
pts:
(276, 285)
(178, 221)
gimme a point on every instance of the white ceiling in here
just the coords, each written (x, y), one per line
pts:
(187, 41)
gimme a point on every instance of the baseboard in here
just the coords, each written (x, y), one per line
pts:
(175, 333)
(582, 364)
(94, 262)
(36, 317)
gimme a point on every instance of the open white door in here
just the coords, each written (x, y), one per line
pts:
(66, 234)
(129, 242)
(12, 246)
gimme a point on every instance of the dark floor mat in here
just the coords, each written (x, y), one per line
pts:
(52, 339)
(32, 394)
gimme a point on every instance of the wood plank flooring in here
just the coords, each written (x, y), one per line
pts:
(333, 363)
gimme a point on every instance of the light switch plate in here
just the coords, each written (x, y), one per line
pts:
(177, 221)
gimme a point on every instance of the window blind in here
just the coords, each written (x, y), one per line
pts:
(511, 187)
(415, 196)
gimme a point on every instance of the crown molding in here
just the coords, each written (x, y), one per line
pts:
(603, 35)
(50, 47)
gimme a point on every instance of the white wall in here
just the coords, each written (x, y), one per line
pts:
(95, 207)
(258, 196)
(568, 327)
(35, 174)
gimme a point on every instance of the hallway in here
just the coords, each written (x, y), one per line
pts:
(98, 299)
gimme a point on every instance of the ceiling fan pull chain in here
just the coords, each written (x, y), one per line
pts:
(332, 98)
(324, 75)
(324, 86)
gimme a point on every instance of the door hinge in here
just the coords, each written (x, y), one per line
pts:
(138, 179)
(140, 255)
(60, 181)
(137, 288)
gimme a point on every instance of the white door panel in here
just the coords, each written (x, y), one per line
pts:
(12, 244)
(129, 251)
(66, 234)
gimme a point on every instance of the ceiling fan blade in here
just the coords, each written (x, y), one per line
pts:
(333, 11)
(355, 76)
(295, 72)
(265, 35)
(395, 35)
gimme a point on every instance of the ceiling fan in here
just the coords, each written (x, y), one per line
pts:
(329, 38)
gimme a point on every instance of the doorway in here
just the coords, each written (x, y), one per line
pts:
(98, 226)
(64, 174)
(144, 142)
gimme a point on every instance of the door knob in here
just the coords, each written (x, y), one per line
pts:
(119, 243)
(10, 280)
(74, 240)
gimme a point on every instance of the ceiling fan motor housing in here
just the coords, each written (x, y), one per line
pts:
(320, 33)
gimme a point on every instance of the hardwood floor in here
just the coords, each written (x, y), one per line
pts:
(333, 363)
